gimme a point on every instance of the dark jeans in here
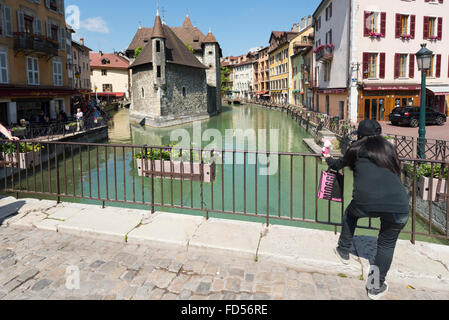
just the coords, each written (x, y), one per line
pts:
(391, 226)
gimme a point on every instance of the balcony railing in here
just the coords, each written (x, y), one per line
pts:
(324, 52)
(33, 43)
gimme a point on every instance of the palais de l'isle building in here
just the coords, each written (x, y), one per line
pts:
(176, 78)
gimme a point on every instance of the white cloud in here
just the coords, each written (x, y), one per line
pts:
(96, 24)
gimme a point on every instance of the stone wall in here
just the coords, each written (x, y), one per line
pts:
(146, 102)
(194, 82)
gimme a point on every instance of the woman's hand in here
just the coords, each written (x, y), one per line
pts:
(12, 138)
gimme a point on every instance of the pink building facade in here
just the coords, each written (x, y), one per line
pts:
(379, 71)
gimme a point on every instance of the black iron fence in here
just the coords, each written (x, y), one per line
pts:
(226, 182)
(406, 146)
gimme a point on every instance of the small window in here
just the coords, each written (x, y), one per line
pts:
(158, 46)
(143, 93)
(104, 72)
(158, 71)
(211, 53)
(184, 92)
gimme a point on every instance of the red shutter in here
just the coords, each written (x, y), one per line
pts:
(438, 66)
(440, 28)
(365, 65)
(383, 23)
(412, 26)
(411, 71)
(365, 24)
(440, 1)
(396, 65)
(382, 66)
(398, 25)
(426, 28)
(448, 66)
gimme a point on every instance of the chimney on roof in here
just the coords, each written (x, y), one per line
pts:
(101, 53)
(82, 41)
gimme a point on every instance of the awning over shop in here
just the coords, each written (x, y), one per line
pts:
(391, 87)
(111, 94)
(442, 90)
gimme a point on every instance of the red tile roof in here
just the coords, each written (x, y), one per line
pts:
(107, 60)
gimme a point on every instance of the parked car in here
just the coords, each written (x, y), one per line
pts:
(410, 116)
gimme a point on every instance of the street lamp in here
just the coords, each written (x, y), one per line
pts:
(424, 58)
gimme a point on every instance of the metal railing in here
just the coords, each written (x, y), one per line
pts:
(31, 42)
(205, 181)
(59, 129)
(406, 146)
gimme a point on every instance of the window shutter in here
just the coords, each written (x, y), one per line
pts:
(438, 66)
(411, 71)
(366, 23)
(327, 13)
(8, 21)
(38, 26)
(396, 65)
(383, 23)
(365, 65)
(20, 21)
(382, 66)
(426, 28)
(62, 38)
(412, 25)
(2, 20)
(440, 1)
(440, 28)
(398, 25)
(60, 8)
(48, 29)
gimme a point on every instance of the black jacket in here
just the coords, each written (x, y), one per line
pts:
(375, 189)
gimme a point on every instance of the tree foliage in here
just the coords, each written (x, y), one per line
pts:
(137, 52)
(224, 79)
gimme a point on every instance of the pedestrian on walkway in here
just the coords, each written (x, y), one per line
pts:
(378, 193)
(79, 119)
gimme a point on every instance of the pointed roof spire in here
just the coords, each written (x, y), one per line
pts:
(158, 31)
(210, 38)
(187, 23)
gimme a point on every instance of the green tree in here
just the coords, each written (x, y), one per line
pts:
(137, 52)
(224, 80)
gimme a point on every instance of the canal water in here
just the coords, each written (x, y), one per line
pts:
(290, 192)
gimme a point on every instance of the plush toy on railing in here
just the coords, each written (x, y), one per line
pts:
(327, 147)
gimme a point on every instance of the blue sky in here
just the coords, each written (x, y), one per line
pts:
(238, 25)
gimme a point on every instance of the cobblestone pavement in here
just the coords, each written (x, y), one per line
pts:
(34, 265)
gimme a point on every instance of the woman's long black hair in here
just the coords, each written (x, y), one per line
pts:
(378, 150)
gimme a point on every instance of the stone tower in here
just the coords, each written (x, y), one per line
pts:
(211, 59)
(159, 62)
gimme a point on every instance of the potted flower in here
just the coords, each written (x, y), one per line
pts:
(433, 38)
(19, 131)
(424, 176)
(71, 127)
(406, 37)
(168, 162)
(29, 154)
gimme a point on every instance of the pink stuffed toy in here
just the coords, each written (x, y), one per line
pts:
(326, 148)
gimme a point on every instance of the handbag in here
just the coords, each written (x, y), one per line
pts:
(331, 186)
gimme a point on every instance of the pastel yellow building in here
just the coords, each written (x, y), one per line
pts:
(279, 65)
(295, 80)
(34, 44)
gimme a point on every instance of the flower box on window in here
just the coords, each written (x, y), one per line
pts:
(406, 37)
(375, 35)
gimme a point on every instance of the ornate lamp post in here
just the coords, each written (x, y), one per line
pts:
(424, 58)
